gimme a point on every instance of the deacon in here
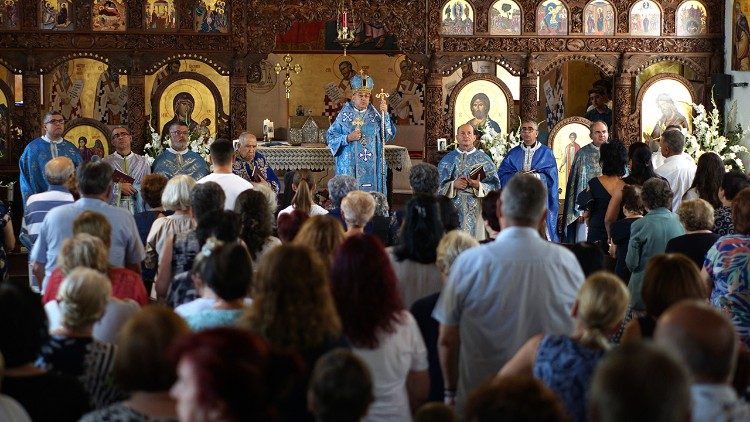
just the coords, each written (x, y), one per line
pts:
(585, 167)
(251, 165)
(130, 168)
(356, 137)
(39, 151)
(536, 159)
(178, 159)
(462, 180)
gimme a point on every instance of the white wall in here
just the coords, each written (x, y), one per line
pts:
(739, 94)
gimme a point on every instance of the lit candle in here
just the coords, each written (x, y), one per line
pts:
(343, 19)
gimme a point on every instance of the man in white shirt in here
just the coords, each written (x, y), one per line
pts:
(222, 157)
(707, 343)
(678, 168)
(499, 295)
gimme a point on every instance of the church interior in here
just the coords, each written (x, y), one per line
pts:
(282, 70)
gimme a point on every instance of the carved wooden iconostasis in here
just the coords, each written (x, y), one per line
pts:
(141, 62)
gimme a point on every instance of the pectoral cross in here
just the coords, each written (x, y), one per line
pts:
(358, 122)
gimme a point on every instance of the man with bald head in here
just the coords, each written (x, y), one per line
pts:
(707, 343)
(585, 167)
(58, 172)
(461, 180)
(251, 165)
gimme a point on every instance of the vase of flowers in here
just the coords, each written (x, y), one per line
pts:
(497, 145)
(709, 136)
(154, 146)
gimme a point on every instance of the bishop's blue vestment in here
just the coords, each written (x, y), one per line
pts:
(35, 156)
(169, 163)
(363, 159)
(540, 161)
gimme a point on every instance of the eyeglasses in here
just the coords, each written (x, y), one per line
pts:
(55, 122)
(528, 129)
(120, 135)
(179, 132)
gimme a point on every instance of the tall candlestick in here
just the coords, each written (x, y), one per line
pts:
(343, 20)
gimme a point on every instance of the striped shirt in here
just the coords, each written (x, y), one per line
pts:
(37, 206)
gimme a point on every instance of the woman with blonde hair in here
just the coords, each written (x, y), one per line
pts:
(87, 251)
(176, 197)
(357, 208)
(293, 309)
(566, 364)
(126, 284)
(71, 349)
(451, 245)
(322, 234)
(303, 185)
(143, 369)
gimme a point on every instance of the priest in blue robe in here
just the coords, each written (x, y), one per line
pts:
(585, 167)
(531, 157)
(355, 138)
(178, 159)
(39, 151)
(251, 165)
(462, 180)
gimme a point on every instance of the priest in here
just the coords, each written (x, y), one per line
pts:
(178, 159)
(585, 167)
(531, 157)
(130, 168)
(466, 176)
(356, 137)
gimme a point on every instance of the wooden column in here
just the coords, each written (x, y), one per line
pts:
(528, 94)
(32, 107)
(433, 121)
(623, 105)
(238, 97)
(137, 105)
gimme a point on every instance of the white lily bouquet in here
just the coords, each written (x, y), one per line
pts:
(497, 145)
(708, 136)
(154, 146)
(200, 144)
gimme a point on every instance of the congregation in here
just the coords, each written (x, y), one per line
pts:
(184, 290)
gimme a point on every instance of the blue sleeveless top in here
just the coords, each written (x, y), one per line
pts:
(566, 367)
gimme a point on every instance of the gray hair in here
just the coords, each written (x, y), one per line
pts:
(176, 195)
(51, 113)
(381, 204)
(674, 140)
(58, 170)
(123, 127)
(83, 297)
(271, 199)
(524, 200)
(656, 193)
(358, 208)
(245, 135)
(424, 178)
(339, 187)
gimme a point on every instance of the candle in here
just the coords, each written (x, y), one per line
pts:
(343, 19)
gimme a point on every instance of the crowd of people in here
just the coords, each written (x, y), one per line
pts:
(187, 295)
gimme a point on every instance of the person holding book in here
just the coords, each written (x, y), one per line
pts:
(466, 176)
(129, 169)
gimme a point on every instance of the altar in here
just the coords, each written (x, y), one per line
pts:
(318, 157)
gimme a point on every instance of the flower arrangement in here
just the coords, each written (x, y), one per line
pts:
(199, 142)
(497, 145)
(707, 136)
(154, 146)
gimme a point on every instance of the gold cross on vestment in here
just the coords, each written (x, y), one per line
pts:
(358, 122)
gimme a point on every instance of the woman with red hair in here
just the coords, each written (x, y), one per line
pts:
(228, 374)
(381, 331)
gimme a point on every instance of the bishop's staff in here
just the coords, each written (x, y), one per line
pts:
(382, 97)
